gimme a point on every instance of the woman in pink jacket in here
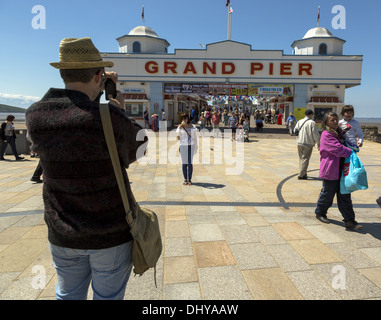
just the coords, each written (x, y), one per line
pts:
(332, 155)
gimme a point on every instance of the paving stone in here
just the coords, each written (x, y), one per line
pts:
(212, 254)
(292, 231)
(353, 256)
(179, 269)
(268, 235)
(312, 286)
(324, 234)
(182, 291)
(271, 284)
(288, 258)
(239, 234)
(206, 232)
(314, 251)
(252, 256)
(373, 274)
(223, 283)
(177, 247)
(374, 253)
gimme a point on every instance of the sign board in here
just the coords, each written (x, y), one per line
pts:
(233, 62)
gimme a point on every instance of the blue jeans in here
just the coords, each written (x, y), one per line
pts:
(109, 269)
(344, 201)
(186, 153)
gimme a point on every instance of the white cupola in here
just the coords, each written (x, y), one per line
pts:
(142, 39)
(318, 41)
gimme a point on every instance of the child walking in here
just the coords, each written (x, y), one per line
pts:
(332, 155)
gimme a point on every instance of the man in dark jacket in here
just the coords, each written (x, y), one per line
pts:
(87, 230)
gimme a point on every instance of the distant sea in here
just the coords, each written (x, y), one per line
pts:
(19, 117)
(370, 122)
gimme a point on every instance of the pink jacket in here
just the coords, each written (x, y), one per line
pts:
(331, 150)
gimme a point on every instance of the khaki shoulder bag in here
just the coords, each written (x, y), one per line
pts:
(144, 224)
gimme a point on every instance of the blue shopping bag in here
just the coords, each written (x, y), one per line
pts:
(354, 175)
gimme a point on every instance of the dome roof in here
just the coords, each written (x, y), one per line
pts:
(318, 33)
(143, 31)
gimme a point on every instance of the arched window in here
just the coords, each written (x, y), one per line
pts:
(323, 49)
(136, 47)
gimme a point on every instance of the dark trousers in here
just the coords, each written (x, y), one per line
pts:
(38, 172)
(344, 201)
(186, 153)
(11, 140)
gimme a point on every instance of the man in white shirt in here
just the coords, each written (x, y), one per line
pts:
(307, 137)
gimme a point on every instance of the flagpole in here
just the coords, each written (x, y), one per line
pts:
(229, 22)
(318, 20)
(143, 16)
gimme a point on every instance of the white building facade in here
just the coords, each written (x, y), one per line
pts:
(315, 76)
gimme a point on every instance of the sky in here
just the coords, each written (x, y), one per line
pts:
(31, 30)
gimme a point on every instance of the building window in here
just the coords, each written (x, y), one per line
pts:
(134, 110)
(323, 49)
(136, 47)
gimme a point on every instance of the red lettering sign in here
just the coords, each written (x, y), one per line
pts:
(190, 68)
(285, 69)
(151, 67)
(255, 67)
(170, 66)
(206, 66)
(305, 67)
(228, 64)
(271, 69)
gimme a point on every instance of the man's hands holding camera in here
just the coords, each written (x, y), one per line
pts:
(118, 100)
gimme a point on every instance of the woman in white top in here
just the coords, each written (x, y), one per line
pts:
(187, 134)
(8, 136)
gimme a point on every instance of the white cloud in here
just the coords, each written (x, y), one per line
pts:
(17, 100)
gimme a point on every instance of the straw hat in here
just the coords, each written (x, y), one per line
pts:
(79, 54)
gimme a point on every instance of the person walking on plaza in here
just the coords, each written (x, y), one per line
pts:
(291, 122)
(187, 134)
(8, 136)
(215, 124)
(332, 155)
(202, 123)
(146, 119)
(208, 117)
(154, 122)
(37, 173)
(226, 117)
(354, 137)
(194, 116)
(307, 138)
(232, 124)
(88, 234)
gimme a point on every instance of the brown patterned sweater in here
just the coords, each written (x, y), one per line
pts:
(83, 206)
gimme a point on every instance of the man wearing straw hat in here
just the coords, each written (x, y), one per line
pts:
(88, 234)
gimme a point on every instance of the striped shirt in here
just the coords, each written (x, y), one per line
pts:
(233, 121)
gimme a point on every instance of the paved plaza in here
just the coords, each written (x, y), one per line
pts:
(249, 235)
